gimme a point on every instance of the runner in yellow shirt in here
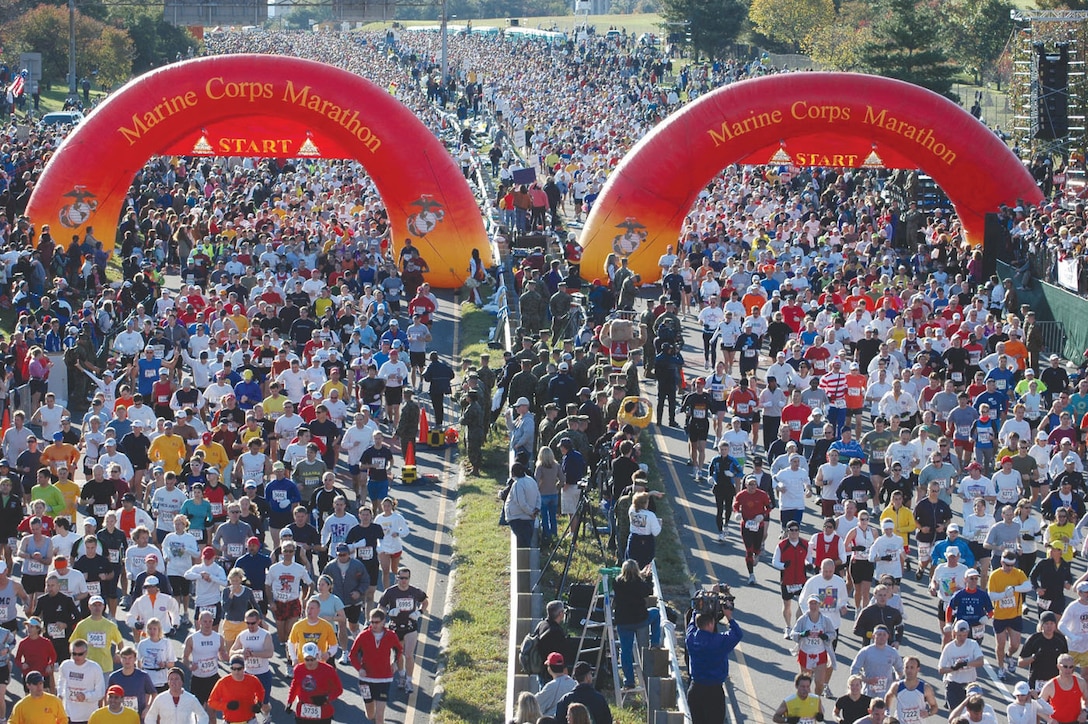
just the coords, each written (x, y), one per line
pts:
(115, 711)
(1007, 586)
(312, 628)
(40, 707)
(168, 449)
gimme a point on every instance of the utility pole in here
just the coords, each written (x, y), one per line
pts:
(72, 48)
(445, 56)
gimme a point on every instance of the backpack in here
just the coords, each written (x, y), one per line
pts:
(529, 654)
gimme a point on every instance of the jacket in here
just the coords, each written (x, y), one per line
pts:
(355, 579)
(188, 710)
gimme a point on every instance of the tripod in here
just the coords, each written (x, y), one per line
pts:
(585, 515)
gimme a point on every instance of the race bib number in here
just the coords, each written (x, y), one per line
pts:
(282, 595)
(752, 524)
(699, 413)
(881, 685)
(94, 588)
(911, 716)
(258, 596)
(279, 495)
(742, 408)
(861, 555)
(1044, 604)
(252, 662)
(366, 553)
(406, 605)
(115, 556)
(364, 691)
(131, 703)
(978, 630)
(217, 509)
(234, 550)
(795, 425)
(1007, 602)
(55, 630)
(207, 667)
(309, 711)
(100, 510)
(925, 551)
(957, 377)
(860, 496)
(839, 508)
(97, 639)
(34, 568)
(205, 609)
(793, 588)
(749, 353)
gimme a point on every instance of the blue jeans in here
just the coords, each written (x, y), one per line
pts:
(648, 631)
(549, 507)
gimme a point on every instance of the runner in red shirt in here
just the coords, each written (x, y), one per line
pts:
(373, 655)
(315, 686)
(754, 506)
(795, 415)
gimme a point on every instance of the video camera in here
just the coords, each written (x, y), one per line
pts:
(714, 602)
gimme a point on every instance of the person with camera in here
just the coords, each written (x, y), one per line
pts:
(959, 664)
(708, 658)
(632, 617)
(802, 706)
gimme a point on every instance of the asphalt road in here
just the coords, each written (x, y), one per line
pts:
(762, 670)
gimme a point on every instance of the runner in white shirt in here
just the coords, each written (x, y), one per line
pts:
(81, 684)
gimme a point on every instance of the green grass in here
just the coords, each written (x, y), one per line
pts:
(478, 626)
(53, 98)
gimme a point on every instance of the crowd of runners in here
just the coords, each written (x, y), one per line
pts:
(215, 473)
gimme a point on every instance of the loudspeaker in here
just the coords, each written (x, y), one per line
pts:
(1050, 93)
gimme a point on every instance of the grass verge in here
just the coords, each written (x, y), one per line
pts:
(476, 657)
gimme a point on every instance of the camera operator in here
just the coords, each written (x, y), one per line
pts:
(708, 661)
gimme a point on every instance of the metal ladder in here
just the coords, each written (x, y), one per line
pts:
(602, 597)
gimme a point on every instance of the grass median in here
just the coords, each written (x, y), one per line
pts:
(474, 681)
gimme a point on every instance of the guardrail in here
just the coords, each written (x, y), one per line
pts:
(668, 636)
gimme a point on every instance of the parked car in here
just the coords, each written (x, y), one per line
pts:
(62, 118)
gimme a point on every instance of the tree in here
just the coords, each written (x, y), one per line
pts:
(839, 44)
(155, 41)
(791, 21)
(977, 33)
(713, 24)
(906, 45)
(44, 29)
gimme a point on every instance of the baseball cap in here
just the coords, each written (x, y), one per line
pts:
(96, 599)
(554, 659)
(34, 621)
(955, 527)
(1082, 587)
(253, 541)
(151, 581)
(1022, 689)
(952, 551)
(250, 484)
(115, 690)
(342, 548)
(208, 552)
(1049, 616)
(971, 572)
(522, 401)
(35, 677)
(57, 436)
(1006, 459)
(151, 557)
(974, 466)
(278, 466)
(962, 626)
(792, 525)
(310, 651)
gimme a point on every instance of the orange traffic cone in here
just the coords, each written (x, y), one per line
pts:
(424, 427)
(410, 454)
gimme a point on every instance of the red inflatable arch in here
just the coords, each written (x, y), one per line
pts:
(264, 106)
(802, 119)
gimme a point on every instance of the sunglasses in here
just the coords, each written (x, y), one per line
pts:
(237, 668)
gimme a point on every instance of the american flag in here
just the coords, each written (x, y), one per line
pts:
(18, 86)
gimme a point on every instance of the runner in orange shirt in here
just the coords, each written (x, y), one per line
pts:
(239, 696)
(856, 383)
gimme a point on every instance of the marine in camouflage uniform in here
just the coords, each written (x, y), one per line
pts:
(533, 308)
(523, 384)
(474, 431)
(546, 429)
(559, 305)
(408, 426)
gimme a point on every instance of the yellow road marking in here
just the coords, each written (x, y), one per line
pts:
(410, 711)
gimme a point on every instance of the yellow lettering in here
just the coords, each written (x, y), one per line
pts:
(299, 98)
(132, 135)
(723, 136)
(216, 83)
